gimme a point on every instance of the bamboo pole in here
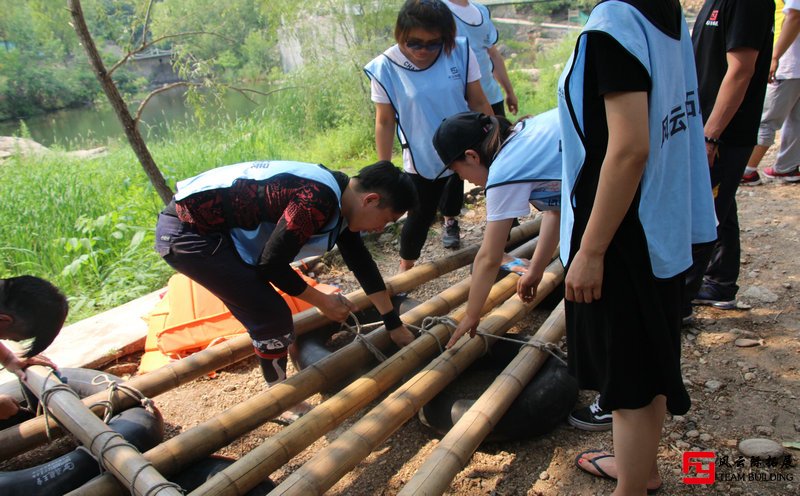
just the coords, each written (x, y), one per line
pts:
(177, 453)
(456, 448)
(32, 433)
(331, 463)
(118, 456)
(280, 448)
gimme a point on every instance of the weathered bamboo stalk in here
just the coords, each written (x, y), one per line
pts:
(455, 449)
(213, 434)
(280, 448)
(32, 433)
(119, 457)
(331, 463)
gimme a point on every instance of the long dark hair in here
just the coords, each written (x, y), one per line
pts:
(430, 15)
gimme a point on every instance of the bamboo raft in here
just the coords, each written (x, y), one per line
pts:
(131, 472)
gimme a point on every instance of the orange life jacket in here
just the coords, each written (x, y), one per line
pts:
(189, 319)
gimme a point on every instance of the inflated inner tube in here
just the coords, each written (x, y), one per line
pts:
(310, 348)
(202, 470)
(139, 427)
(541, 406)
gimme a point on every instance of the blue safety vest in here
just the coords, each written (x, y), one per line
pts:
(422, 99)
(532, 154)
(676, 207)
(482, 36)
(250, 243)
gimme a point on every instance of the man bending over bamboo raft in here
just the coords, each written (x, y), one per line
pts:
(236, 229)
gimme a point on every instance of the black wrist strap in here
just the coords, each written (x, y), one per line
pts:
(391, 320)
(713, 141)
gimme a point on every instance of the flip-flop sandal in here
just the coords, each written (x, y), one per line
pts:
(602, 474)
(517, 265)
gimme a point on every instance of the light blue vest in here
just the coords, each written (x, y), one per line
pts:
(532, 154)
(422, 99)
(676, 207)
(481, 37)
(250, 243)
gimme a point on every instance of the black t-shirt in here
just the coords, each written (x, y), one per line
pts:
(725, 25)
(610, 68)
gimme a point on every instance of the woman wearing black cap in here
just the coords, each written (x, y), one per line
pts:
(518, 165)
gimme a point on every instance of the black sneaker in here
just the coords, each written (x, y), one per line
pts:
(710, 296)
(591, 418)
(451, 237)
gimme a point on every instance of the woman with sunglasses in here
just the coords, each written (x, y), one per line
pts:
(427, 76)
(519, 166)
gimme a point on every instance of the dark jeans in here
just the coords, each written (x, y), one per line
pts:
(446, 194)
(212, 261)
(717, 263)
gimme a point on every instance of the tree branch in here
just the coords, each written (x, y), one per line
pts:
(155, 92)
(146, 45)
(241, 91)
(146, 22)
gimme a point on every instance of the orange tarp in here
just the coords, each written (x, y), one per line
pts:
(189, 318)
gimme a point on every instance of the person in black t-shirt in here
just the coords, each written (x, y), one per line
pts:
(733, 47)
(194, 236)
(631, 66)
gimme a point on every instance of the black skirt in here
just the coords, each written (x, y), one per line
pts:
(627, 344)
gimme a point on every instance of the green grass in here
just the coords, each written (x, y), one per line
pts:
(87, 225)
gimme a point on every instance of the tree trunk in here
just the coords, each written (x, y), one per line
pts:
(128, 123)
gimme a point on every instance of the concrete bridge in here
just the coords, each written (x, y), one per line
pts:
(155, 65)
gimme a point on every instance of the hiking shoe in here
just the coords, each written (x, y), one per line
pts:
(792, 176)
(451, 238)
(591, 418)
(710, 296)
(750, 179)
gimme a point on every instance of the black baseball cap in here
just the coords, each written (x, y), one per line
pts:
(458, 133)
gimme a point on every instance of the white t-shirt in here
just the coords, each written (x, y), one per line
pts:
(378, 94)
(512, 200)
(469, 13)
(789, 64)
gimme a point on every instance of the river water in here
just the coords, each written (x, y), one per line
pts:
(90, 127)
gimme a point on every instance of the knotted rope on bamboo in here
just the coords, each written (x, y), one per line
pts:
(361, 337)
(129, 391)
(44, 397)
(430, 322)
(547, 347)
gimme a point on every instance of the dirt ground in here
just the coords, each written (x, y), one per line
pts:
(737, 392)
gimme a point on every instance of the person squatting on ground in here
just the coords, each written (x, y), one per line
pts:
(633, 150)
(781, 104)
(519, 166)
(427, 76)
(236, 229)
(474, 22)
(732, 43)
(32, 311)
